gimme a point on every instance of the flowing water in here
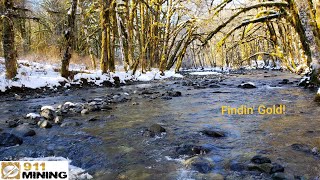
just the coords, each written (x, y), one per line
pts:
(114, 148)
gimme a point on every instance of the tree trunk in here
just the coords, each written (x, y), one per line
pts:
(105, 41)
(69, 38)
(10, 53)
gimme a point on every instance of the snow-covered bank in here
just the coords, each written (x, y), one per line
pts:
(75, 173)
(39, 75)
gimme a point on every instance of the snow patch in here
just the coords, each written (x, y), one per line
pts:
(251, 83)
(47, 107)
(33, 116)
(39, 75)
(204, 73)
(318, 91)
(75, 173)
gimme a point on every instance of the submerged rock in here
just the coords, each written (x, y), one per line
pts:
(70, 124)
(30, 132)
(13, 124)
(282, 176)
(188, 149)
(209, 176)
(285, 81)
(214, 86)
(94, 119)
(154, 130)
(200, 164)
(213, 133)
(258, 159)
(8, 139)
(264, 168)
(302, 148)
(237, 166)
(276, 168)
(174, 93)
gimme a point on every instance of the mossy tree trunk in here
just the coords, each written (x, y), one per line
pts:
(105, 41)
(69, 38)
(10, 53)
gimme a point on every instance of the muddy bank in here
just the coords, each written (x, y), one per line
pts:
(126, 140)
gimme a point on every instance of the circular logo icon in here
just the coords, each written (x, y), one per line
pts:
(10, 170)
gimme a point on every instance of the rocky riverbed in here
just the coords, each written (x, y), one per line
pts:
(171, 129)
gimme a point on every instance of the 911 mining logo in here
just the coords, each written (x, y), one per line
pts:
(10, 170)
(22, 170)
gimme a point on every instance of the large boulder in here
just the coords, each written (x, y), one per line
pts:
(8, 139)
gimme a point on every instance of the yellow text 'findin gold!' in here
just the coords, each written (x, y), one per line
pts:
(247, 110)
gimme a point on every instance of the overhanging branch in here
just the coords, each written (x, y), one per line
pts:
(243, 10)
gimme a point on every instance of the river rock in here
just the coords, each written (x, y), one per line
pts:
(247, 85)
(282, 176)
(8, 139)
(187, 83)
(213, 133)
(44, 124)
(174, 93)
(147, 92)
(302, 148)
(315, 151)
(66, 107)
(264, 168)
(284, 81)
(188, 149)
(116, 81)
(58, 120)
(200, 164)
(92, 107)
(276, 168)
(237, 166)
(166, 97)
(104, 107)
(258, 159)
(13, 124)
(70, 124)
(214, 86)
(78, 107)
(209, 176)
(30, 132)
(85, 111)
(94, 119)
(154, 129)
(48, 114)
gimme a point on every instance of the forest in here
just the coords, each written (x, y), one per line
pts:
(162, 89)
(162, 34)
